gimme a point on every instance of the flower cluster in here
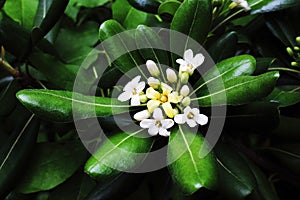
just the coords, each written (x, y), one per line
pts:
(167, 99)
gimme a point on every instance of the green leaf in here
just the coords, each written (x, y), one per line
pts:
(169, 7)
(77, 51)
(190, 171)
(22, 11)
(150, 6)
(262, 65)
(264, 187)
(285, 95)
(146, 37)
(75, 188)
(89, 3)
(120, 9)
(223, 47)
(120, 152)
(262, 6)
(255, 116)
(118, 47)
(57, 105)
(236, 179)
(14, 154)
(193, 18)
(239, 90)
(52, 164)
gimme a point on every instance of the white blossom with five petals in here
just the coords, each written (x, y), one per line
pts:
(191, 116)
(189, 63)
(132, 90)
(157, 125)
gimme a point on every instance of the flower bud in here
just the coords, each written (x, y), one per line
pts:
(143, 98)
(184, 78)
(176, 111)
(186, 101)
(171, 76)
(290, 51)
(185, 90)
(296, 48)
(145, 114)
(232, 5)
(153, 82)
(298, 40)
(152, 68)
(294, 64)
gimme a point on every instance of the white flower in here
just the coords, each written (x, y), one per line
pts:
(139, 116)
(192, 117)
(152, 68)
(165, 99)
(157, 125)
(189, 63)
(171, 75)
(132, 90)
(242, 4)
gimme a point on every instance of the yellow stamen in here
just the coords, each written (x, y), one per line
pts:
(191, 115)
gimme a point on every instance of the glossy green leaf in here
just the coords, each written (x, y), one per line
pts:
(56, 72)
(193, 18)
(262, 6)
(150, 6)
(117, 188)
(264, 187)
(57, 105)
(239, 90)
(52, 164)
(255, 116)
(146, 37)
(14, 154)
(117, 48)
(285, 95)
(262, 65)
(190, 171)
(89, 3)
(224, 47)
(287, 155)
(77, 52)
(122, 151)
(236, 179)
(169, 7)
(75, 188)
(48, 15)
(120, 9)
(22, 11)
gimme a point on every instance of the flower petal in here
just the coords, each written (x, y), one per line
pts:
(168, 109)
(188, 55)
(185, 90)
(157, 114)
(135, 100)
(139, 88)
(132, 84)
(164, 132)
(174, 97)
(197, 60)
(153, 130)
(181, 61)
(180, 119)
(166, 88)
(152, 94)
(152, 104)
(147, 123)
(125, 96)
(139, 116)
(192, 123)
(167, 123)
(195, 111)
(187, 110)
(201, 119)
(153, 82)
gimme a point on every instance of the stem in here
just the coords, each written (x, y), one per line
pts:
(9, 68)
(227, 19)
(284, 69)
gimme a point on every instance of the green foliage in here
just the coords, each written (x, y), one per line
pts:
(48, 43)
